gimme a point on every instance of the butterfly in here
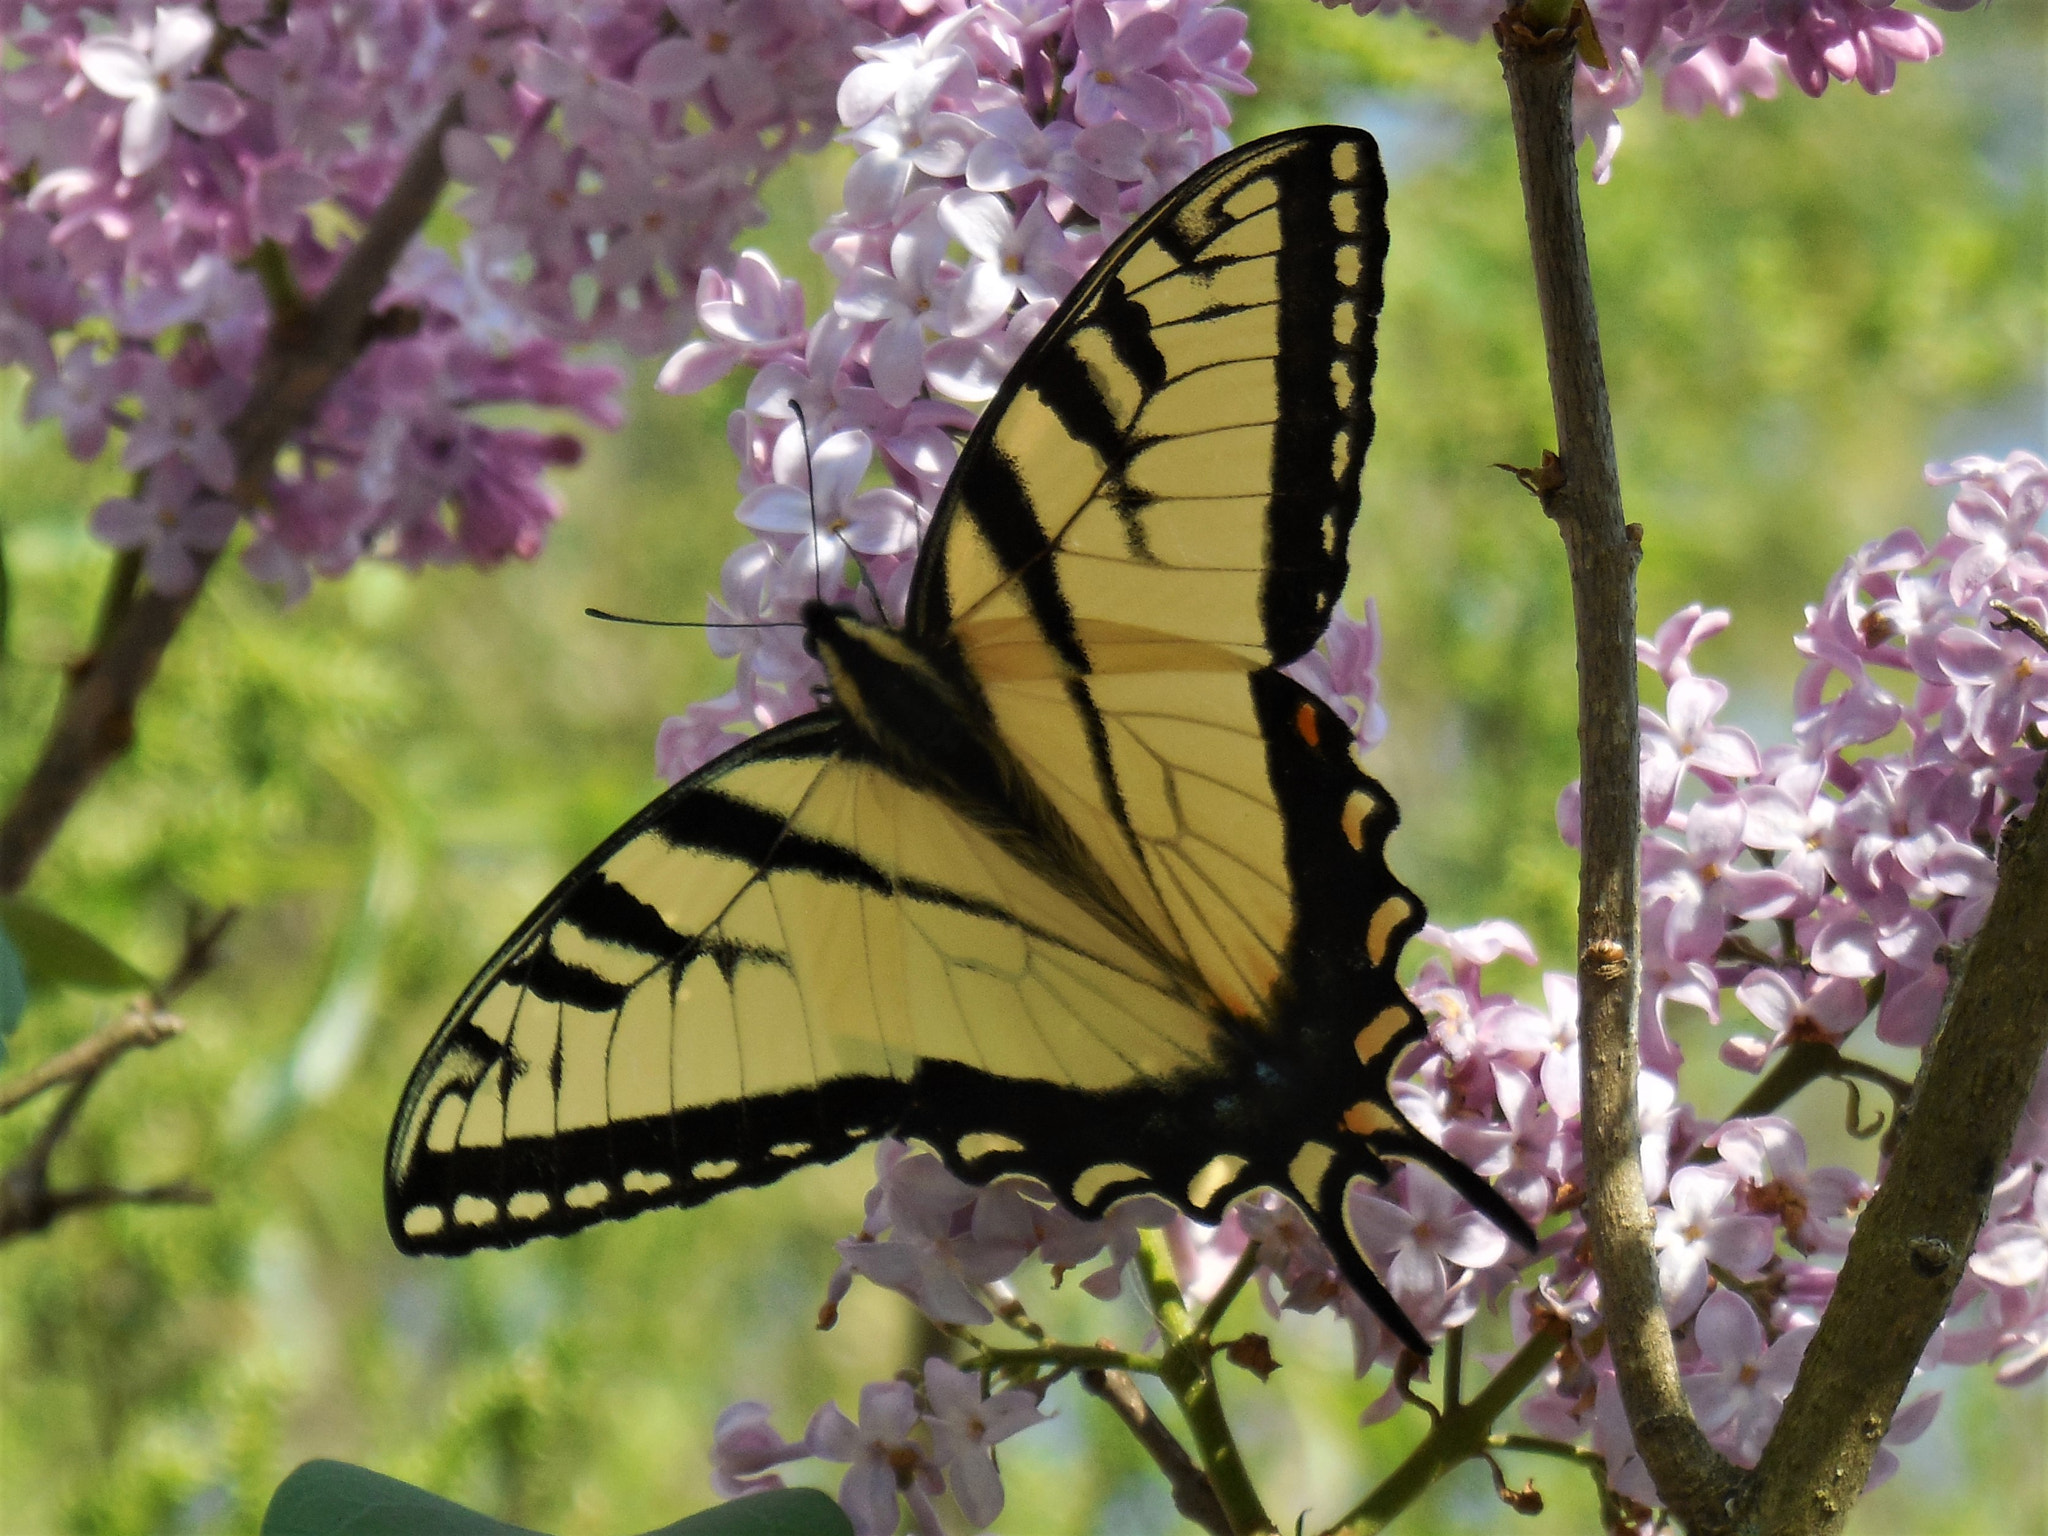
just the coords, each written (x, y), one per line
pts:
(1065, 877)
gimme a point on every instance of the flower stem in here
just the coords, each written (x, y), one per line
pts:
(1071, 1357)
(1458, 1435)
(1184, 1370)
(1227, 1292)
(1801, 1062)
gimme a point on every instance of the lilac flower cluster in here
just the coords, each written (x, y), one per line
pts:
(912, 1443)
(1824, 884)
(947, 1246)
(1001, 147)
(157, 160)
(1711, 52)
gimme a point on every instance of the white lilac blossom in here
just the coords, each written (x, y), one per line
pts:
(154, 160)
(965, 1427)
(885, 1461)
(151, 70)
(1702, 1227)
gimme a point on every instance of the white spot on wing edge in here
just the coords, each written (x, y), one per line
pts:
(475, 1211)
(1306, 1172)
(1215, 1174)
(1093, 1181)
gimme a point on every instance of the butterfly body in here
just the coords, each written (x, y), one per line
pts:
(1066, 877)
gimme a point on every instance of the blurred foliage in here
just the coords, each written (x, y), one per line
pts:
(1801, 306)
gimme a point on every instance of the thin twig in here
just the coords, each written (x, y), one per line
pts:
(2015, 620)
(1193, 1494)
(28, 1203)
(203, 935)
(305, 354)
(19, 1217)
(138, 1026)
(1583, 497)
(1457, 1435)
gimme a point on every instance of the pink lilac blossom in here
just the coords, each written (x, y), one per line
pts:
(1769, 1155)
(1420, 1240)
(1710, 52)
(155, 158)
(1743, 1377)
(884, 1460)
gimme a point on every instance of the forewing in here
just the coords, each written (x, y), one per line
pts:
(1155, 508)
(749, 976)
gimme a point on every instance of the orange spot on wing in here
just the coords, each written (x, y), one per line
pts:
(1364, 1118)
(1305, 722)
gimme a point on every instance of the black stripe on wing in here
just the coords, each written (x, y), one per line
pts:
(632, 1165)
(1315, 499)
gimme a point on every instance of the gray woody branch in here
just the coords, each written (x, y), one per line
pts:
(1581, 491)
(1911, 1245)
(1912, 1242)
(309, 348)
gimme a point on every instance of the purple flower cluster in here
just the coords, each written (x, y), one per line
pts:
(940, 1242)
(1853, 860)
(912, 1443)
(1824, 884)
(1712, 52)
(156, 161)
(1001, 147)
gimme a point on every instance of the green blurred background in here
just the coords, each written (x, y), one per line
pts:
(1801, 307)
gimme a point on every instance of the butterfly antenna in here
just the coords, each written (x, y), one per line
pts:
(620, 618)
(803, 425)
(873, 591)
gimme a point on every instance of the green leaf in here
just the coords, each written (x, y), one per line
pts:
(332, 1498)
(13, 989)
(780, 1512)
(55, 952)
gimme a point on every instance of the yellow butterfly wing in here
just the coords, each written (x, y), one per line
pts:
(747, 977)
(1157, 506)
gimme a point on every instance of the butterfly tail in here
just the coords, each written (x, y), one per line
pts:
(1328, 1215)
(1365, 1158)
(1415, 1147)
